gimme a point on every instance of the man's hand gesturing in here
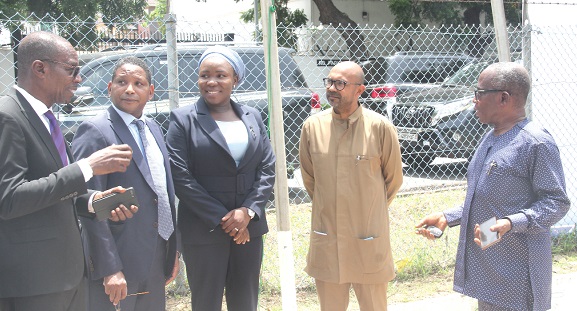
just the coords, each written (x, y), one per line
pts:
(111, 159)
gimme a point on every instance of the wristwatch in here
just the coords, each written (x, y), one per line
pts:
(250, 212)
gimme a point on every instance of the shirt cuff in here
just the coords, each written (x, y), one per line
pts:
(453, 216)
(86, 170)
(90, 208)
(519, 222)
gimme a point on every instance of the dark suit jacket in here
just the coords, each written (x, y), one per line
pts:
(128, 246)
(206, 178)
(40, 246)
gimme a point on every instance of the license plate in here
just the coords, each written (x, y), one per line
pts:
(408, 136)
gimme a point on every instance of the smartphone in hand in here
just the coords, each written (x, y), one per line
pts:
(488, 237)
(103, 206)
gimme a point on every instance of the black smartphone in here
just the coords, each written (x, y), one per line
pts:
(104, 205)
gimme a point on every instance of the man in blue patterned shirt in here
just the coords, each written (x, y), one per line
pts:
(516, 176)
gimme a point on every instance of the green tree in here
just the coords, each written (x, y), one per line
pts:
(11, 7)
(331, 15)
(412, 13)
(286, 21)
(119, 10)
(160, 10)
(158, 14)
(81, 32)
(83, 9)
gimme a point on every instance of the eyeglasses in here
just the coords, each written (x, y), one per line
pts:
(479, 92)
(339, 84)
(75, 69)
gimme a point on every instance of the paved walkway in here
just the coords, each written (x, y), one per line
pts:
(564, 298)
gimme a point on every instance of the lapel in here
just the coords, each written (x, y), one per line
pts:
(209, 126)
(38, 126)
(123, 133)
(254, 135)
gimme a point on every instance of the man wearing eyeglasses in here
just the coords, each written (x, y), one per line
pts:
(351, 166)
(42, 189)
(516, 175)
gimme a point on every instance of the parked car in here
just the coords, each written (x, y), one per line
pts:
(440, 121)
(387, 78)
(91, 97)
(84, 58)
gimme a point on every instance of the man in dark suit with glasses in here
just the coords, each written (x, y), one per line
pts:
(42, 189)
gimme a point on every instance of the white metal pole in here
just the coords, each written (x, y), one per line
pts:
(500, 24)
(285, 249)
(171, 57)
(526, 54)
(172, 63)
(256, 31)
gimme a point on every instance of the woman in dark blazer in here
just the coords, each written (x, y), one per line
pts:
(223, 169)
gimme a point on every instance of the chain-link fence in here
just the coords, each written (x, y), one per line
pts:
(419, 77)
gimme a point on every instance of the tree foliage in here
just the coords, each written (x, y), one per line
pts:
(110, 9)
(286, 21)
(416, 12)
(412, 13)
(82, 33)
(11, 7)
(158, 14)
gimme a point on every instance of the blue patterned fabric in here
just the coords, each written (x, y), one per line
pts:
(517, 175)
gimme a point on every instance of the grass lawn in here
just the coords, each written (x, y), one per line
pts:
(424, 268)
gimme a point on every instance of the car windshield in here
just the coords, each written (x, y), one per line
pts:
(467, 76)
(96, 78)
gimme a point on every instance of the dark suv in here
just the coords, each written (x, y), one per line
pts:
(440, 121)
(391, 76)
(91, 97)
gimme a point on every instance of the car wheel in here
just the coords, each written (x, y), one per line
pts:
(418, 160)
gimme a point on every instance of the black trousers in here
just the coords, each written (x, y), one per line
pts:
(70, 300)
(153, 284)
(211, 269)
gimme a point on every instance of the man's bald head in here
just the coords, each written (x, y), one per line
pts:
(512, 77)
(352, 70)
(40, 45)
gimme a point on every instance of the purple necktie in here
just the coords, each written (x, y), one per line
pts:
(57, 137)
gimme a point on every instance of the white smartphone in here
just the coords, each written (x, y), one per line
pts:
(488, 237)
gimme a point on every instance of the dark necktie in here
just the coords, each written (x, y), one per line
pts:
(157, 170)
(57, 137)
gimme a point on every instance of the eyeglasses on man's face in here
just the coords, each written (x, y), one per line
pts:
(479, 92)
(339, 84)
(74, 70)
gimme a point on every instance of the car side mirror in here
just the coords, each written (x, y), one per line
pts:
(82, 97)
(67, 108)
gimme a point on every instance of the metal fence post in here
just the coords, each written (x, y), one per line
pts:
(172, 59)
(285, 248)
(173, 97)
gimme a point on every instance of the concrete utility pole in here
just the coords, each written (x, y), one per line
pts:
(285, 249)
(500, 24)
